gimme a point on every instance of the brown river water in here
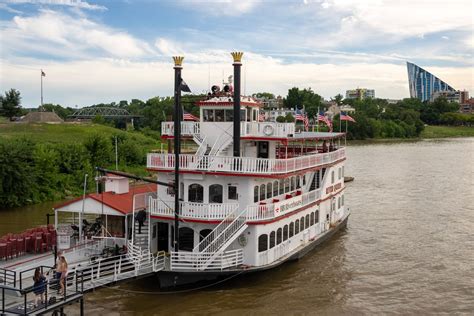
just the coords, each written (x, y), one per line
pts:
(408, 247)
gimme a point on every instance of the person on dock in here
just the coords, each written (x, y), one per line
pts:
(140, 218)
(62, 267)
(39, 286)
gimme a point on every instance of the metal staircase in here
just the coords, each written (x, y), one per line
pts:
(221, 237)
(141, 238)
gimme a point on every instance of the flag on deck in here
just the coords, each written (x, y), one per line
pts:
(42, 73)
(299, 116)
(345, 117)
(323, 118)
(261, 117)
(184, 86)
(189, 117)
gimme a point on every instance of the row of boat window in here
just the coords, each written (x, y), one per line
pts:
(216, 193)
(277, 187)
(268, 241)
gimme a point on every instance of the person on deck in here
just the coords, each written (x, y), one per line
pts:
(62, 267)
(39, 286)
(140, 218)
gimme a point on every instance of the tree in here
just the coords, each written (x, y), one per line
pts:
(10, 104)
(338, 99)
(265, 95)
(100, 150)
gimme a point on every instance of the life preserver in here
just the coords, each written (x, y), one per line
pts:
(268, 130)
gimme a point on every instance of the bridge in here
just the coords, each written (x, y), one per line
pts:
(105, 112)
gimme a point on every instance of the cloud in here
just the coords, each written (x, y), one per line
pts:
(66, 36)
(5, 7)
(69, 3)
(88, 82)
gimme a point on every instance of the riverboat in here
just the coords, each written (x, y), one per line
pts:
(251, 196)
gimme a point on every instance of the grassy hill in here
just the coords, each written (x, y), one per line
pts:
(72, 133)
(447, 131)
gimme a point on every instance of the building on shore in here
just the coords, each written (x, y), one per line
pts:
(360, 93)
(452, 96)
(467, 106)
(424, 84)
(270, 103)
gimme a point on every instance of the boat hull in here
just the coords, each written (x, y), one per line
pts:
(173, 279)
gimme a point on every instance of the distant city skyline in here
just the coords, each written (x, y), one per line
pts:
(105, 51)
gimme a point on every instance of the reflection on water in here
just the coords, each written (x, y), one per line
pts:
(408, 247)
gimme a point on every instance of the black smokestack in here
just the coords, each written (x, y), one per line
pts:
(237, 64)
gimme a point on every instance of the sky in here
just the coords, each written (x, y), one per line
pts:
(111, 50)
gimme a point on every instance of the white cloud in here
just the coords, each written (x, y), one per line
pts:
(105, 80)
(68, 36)
(5, 7)
(388, 21)
(69, 3)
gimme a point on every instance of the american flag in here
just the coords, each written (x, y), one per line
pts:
(345, 117)
(189, 117)
(323, 118)
(261, 117)
(299, 116)
(43, 74)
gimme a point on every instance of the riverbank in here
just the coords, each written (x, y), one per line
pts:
(447, 131)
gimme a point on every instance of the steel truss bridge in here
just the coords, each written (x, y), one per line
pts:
(105, 112)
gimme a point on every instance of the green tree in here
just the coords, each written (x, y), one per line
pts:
(338, 99)
(10, 104)
(100, 150)
(266, 95)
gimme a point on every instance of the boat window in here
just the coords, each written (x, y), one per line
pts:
(292, 181)
(287, 185)
(275, 188)
(316, 217)
(262, 242)
(186, 239)
(219, 115)
(306, 221)
(312, 219)
(281, 187)
(269, 190)
(249, 113)
(298, 182)
(343, 171)
(339, 173)
(208, 115)
(229, 115)
(297, 226)
(272, 239)
(342, 200)
(232, 192)
(285, 232)
(279, 231)
(255, 193)
(255, 115)
(262, 192)
(292, 229)
(304, 179)
(195, 193)
(203, 234)
(332, 176)
(181, 191)
(338, 202)
(215, 193)
(301, 224)
(242, 115)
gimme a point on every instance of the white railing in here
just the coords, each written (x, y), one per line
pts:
(242, 164)
(199, 261)
(269, 211)
(203, 211)
(267, 129)
(188, 128)
(222, 233)
(257, 129)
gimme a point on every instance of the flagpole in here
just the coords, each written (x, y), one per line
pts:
(41, 75)
(345, 138)
(340, 121)
(317, 121)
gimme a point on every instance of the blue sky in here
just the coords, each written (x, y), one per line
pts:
(103, 51)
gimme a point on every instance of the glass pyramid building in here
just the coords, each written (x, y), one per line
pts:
(423, 84)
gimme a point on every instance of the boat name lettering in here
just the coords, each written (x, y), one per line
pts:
(288, 205)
